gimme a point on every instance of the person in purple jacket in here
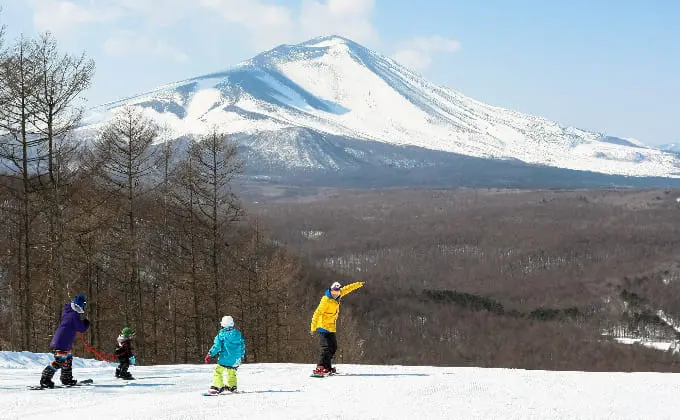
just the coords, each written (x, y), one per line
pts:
(62, 342)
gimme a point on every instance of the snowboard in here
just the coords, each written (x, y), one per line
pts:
(316, 375)
(207, 394)
(84, 382)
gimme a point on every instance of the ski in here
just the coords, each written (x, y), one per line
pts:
(84, 382)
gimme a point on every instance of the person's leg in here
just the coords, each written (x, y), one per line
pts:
(231, 379)
(119, 369)
(332, 348)
(325, 354)
(51, 369)
(218, 378)
(67, 370)
(124, 366)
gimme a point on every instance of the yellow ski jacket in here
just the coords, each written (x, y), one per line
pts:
(327, 312)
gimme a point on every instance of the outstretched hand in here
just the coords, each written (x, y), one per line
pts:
(312, 333)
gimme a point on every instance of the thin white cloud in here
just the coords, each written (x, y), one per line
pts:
(156, 12)
(267, 24)
(61, 16)
(128, 43)
(413, 59)
(349, 18)
(417, 53)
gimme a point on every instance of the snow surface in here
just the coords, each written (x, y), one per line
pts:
(662, 345)
(671, 147)
(285, 391)
(333, 85)
(25, 359)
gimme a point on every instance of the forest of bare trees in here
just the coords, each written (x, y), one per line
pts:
(150, 230)
(505, 278)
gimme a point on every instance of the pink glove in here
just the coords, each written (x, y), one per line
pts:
(208, 359)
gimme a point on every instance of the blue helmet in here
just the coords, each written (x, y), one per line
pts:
(80, 300)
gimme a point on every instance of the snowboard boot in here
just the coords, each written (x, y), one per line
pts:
(321, 371)
(228, 388)
(67, 377)
(46, 377)
(332, 371)
(215, 390)
(123, 373)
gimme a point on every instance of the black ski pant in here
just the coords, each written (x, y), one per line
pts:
(123, 366)
(329, 345)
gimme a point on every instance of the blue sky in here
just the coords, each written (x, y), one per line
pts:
(610, 66)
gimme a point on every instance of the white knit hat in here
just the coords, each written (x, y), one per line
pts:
(227, 321)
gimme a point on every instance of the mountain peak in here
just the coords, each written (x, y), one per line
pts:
(328, 41)
(315, 47)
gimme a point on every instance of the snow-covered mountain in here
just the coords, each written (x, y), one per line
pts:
(330, 104)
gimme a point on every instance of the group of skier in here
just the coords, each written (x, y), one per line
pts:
(228, 349)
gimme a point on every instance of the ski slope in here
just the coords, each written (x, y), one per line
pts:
(285, 391)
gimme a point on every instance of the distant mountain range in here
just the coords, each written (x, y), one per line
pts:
(330, 111)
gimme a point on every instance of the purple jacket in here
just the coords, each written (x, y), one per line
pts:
(66, 332)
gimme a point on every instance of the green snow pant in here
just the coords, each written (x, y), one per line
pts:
(218, 376)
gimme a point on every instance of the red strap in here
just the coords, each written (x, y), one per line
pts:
(103, 356)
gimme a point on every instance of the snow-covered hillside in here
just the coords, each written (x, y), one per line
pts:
(26, 360)
(285, 391)
(331, 87)
(671, 147)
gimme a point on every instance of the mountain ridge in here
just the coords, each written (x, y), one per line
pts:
(332, 86)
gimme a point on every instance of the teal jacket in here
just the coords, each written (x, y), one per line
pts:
(230, 346)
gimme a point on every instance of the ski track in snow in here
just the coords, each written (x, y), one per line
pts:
(286, 391)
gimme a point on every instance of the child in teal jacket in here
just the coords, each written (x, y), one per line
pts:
(231, 348)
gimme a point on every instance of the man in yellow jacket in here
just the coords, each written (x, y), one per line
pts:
(323, 322)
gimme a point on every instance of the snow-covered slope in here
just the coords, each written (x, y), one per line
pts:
(28, 360)
(285, 391)
(671, 147)
(301, 94)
